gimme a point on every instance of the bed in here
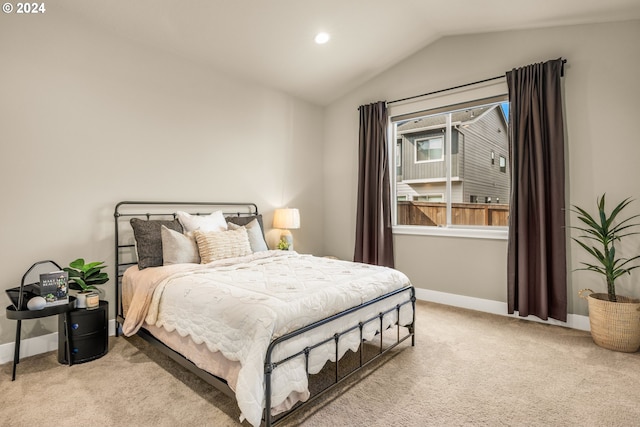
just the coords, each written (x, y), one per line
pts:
(197, 280)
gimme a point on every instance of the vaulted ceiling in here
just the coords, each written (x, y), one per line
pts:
(271, 41)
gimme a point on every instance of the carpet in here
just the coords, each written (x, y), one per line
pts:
(467, 368)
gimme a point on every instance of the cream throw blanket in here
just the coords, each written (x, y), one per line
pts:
(238, 306)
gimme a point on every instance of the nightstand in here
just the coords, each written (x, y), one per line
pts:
(88, 334)
(12, 313)
(19, 309)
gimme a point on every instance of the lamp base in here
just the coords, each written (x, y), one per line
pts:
(286, 239)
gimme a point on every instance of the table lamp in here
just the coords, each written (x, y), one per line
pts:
(286, 219)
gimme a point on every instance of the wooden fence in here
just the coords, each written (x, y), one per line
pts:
(434, 214)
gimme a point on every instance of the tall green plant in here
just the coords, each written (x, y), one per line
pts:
(602, 233)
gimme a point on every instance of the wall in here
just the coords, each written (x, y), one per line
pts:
(601, 106)
(88, 119)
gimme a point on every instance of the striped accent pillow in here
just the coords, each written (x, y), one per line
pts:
(215, 245)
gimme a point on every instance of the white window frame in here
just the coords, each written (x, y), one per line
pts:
(429, 138)
(503, 164)
(435, 104)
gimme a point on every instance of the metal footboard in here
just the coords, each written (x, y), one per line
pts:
(270, 366)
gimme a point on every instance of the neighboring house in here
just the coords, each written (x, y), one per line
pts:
(479, 153)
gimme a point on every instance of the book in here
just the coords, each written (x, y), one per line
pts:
(53, 287)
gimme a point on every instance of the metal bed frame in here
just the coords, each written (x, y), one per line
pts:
(124, 242)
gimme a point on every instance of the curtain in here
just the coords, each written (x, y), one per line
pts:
(536, 267)
(374, 239)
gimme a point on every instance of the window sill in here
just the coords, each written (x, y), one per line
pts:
(495, 233)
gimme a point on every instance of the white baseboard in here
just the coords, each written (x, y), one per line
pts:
(37, 345)
(45, 343)
(574, 321)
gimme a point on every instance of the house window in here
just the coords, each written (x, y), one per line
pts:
(429, 149)
(429, 198)
(450, 169)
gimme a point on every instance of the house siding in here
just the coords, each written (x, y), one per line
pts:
(428, 170)
(481, 178)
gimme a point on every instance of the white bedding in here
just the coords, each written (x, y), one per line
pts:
(238, 306)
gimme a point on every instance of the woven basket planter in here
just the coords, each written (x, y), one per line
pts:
(614, 325)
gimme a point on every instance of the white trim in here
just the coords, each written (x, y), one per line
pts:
(447, 188)
(574, 321)
(451, 99)
(45, 343)
(37, 345)
(421, 129)
(428, 180)
(496, 233)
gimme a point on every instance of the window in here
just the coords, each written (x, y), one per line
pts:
(450, 170)
(429, 149)
(429, 198)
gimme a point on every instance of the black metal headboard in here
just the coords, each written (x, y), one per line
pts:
(125, 253)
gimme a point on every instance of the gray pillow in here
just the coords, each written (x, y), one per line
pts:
(178, 248)
(149, 240)
(244, 220)
(254, 232)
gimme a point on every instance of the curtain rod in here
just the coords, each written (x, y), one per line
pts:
(564, 61)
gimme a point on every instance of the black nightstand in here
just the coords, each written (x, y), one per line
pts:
(12, 313)
(89, 334)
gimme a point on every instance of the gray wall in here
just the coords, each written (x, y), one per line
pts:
(601, 103)
(88, 119)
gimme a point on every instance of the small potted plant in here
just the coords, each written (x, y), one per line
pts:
(84, 278)
(614, 319)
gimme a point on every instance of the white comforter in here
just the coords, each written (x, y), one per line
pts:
(239, 306)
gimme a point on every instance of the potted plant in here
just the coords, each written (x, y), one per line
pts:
(614, 319)
(84, 278)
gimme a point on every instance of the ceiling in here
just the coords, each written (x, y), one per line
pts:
(271, 41)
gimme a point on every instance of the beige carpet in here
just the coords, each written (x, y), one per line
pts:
(468, 368)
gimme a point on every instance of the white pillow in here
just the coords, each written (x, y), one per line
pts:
(178, 248)
(215, 245)
(256, 238)
(213, 222)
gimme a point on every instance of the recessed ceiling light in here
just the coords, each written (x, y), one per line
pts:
(322, 38)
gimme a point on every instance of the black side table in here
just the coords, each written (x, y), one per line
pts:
(86, 334)
(12, 313)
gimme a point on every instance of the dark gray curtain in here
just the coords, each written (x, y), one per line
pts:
(374, 240)
(537, 272)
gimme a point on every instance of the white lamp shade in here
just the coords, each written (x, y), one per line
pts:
(286, 219)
